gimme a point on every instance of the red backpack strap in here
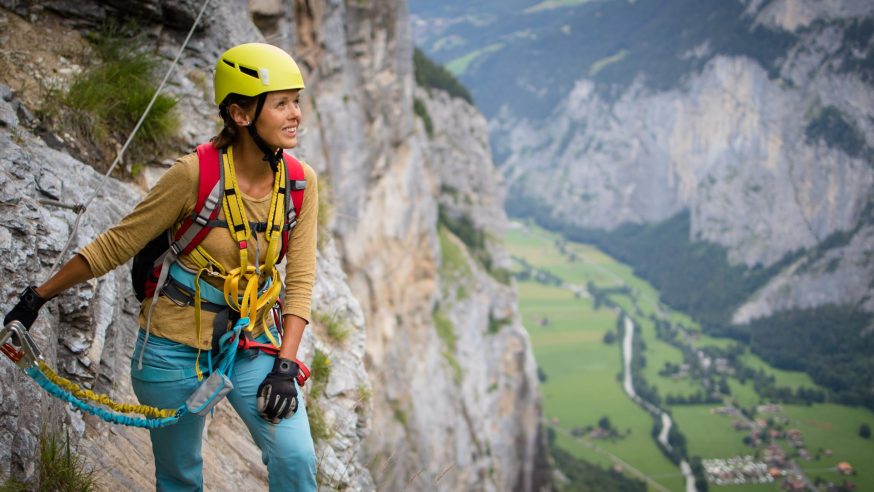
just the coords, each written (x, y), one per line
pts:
(209, 193)
(194, 227)
(294, 190)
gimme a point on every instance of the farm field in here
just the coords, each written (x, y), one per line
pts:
(581, 373)
(835, 427)
(581, 382)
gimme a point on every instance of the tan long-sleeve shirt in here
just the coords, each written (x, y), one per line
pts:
(171, 200)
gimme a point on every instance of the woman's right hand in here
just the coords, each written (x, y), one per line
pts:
(32, 299)
(27, 309)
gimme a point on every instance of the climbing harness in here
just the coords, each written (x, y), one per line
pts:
(242, 234)
(156, 270)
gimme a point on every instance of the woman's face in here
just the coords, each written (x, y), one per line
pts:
(280, 118)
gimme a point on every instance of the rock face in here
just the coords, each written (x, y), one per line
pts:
(768, 160)
(89, 332)
(498, 386)
(793, 15)
(439, 390)
(455, 407)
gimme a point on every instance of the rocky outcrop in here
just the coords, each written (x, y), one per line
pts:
(455, 409)
(498, 385)
(792, 15)
(88, 332)
(768, 160)
(840, 276)
(730, 147)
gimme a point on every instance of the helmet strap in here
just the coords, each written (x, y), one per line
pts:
(272, 157)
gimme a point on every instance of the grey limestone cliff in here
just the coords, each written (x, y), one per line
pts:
(88, 332)
(455, 407)
(768, 160)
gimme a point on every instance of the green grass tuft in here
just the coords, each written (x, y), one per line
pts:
(422, 112)
(454, 268)
(326, 210)
(105, 101)
(399, 413)
(401, 416)
(13, 485)
(365, 394)
(432, 75)
(320, 373)
(475, 240)
(446, 333)
(60, 470)
(495, 324)
(336, 329)
(502, 275)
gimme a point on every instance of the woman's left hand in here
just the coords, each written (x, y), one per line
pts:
(277, 395)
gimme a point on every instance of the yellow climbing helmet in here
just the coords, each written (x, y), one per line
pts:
(254, 68)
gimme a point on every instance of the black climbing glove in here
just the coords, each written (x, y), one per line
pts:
(27, 308)
(277, 396)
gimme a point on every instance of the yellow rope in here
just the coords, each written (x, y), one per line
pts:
(84, 394)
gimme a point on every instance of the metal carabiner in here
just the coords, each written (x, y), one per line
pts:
(16, 343)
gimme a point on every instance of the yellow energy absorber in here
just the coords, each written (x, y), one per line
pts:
(85, 394)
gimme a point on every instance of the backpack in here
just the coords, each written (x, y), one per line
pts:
(151, 264)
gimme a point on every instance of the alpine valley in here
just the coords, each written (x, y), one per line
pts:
(723, 148)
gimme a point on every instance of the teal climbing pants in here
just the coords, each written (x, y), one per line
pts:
(166, 381)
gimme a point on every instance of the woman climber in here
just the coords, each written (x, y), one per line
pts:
(230, 212)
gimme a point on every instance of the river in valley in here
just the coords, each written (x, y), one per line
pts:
(628, 384)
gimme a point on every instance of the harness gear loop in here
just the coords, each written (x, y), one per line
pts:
(251, 302)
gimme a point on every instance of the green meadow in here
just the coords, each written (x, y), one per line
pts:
(582, 375)
(459, 65)
(834, 427)
(581, 387)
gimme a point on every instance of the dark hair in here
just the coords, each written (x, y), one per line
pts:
(230, 130)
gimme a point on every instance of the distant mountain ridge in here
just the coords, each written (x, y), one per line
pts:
(757, 117)
(529, 55)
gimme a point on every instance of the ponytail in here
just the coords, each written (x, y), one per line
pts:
(230, 130)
